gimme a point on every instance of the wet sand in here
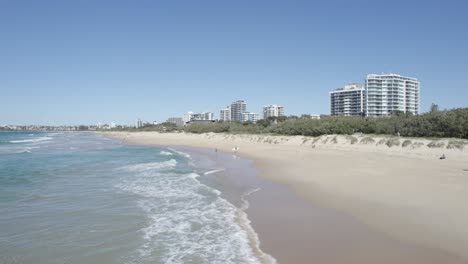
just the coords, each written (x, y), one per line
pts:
(294, 230)
(325, 213)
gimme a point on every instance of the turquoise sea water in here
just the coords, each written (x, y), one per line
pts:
(84, 198)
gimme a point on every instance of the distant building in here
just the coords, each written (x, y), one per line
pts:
(347, 101)
(112, 125)
(139, 123)
(201, 122)
(187, 117)
(237, 109)
(178, 121)
(191, 116)
(249, 116)
(272, 111)
(225, 114)
(390, 93)
(208, 116)
(310, 116)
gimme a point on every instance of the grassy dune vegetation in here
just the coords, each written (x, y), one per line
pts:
(452, 123)
(435, 124)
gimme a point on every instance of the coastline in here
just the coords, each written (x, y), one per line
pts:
(407, 196)
(235, 178)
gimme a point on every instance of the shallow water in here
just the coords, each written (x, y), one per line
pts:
(83, 198)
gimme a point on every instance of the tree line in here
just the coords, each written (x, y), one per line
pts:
(448, 123)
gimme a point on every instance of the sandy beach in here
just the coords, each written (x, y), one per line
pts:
(384, 200)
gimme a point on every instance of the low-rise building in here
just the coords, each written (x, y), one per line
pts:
(191, 116)
(249, 117)
(272, 111)
(310, 116)
(178, 121)
(203, 122)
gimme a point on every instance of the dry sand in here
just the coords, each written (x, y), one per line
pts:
(405, 193)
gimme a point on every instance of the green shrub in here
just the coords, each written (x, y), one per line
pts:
(392, 142)
(455, 144)
(436, 144)
(316, 139)
(367, 140)
(334, 140)
(352, 140)
(382, 141)
(406, 143)
(417, 145)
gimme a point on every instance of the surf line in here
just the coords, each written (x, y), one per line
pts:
(213, 171)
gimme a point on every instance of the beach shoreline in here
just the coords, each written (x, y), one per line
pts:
(235, 178)
(407, 195)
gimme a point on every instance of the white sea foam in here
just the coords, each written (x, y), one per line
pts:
(54, 133)
(217, 192)
(186, 155)
(189, 221)
(245, 201)
(27, 149)
(213, 171)
(39, 139)
(151, 166)
(193, 175)
(165, 153)
(245, 223)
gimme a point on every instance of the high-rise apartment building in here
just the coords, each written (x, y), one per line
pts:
(347, 101)
(237, 108)
(139, 123)
(272, 111)
(386, 94)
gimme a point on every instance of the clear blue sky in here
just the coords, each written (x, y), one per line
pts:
(72, 62)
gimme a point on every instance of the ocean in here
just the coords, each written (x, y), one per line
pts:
(85, 198)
